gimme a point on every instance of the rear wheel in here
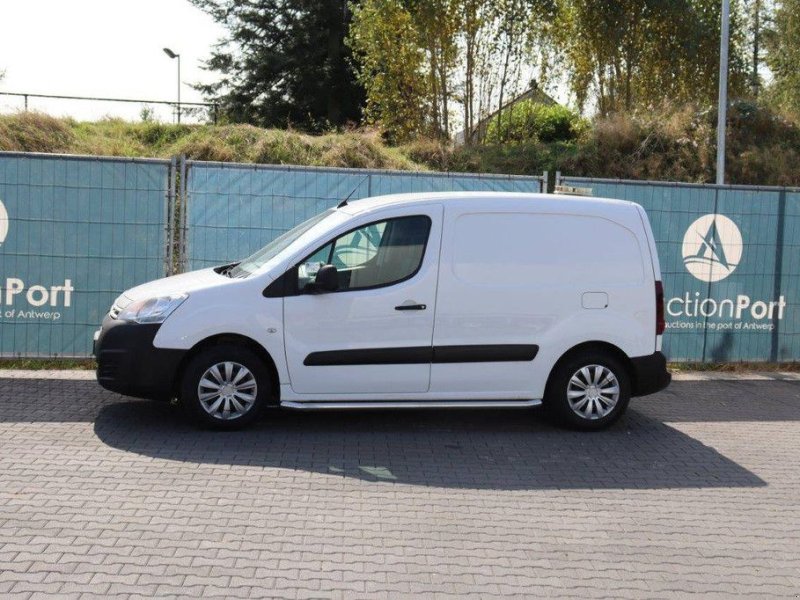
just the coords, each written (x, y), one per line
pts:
(589, 391)
(225, 387)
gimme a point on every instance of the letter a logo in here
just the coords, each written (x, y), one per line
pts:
(712, 247)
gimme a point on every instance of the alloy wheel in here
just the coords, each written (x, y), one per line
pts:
(227, 390)
(593, 391)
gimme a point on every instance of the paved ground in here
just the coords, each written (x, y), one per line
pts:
(696, 490)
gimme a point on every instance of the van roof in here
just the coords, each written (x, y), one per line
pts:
(498, 200)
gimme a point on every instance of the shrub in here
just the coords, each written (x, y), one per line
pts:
(532, 121)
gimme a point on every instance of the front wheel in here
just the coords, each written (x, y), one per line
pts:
(225, 387)
(589, 391)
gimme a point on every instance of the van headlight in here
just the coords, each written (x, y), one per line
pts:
(152, 310)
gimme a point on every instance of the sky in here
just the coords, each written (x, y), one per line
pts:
(108, 48)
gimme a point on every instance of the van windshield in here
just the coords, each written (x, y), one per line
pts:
(255, 261)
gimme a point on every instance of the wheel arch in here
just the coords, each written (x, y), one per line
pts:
(231, 338)
(607, 347)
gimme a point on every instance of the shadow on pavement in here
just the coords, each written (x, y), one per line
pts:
(479, 449)
(510, 450)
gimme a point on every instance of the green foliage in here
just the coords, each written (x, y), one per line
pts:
(532, 121)
(147, 114)
(382, 35)
(437, 28)
(446, 58)
(640, 53)
(680, 145)
(783, 57)
(283, 62)
(670, 144)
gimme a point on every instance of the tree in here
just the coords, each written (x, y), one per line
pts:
(430, 59)
(783, 56)
(384, 38)
(284, 62)
(437, 24)
(756, 16)
(637, 53)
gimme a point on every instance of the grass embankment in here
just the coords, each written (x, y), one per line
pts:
(36, 132)
(763, 148)
(670, 145)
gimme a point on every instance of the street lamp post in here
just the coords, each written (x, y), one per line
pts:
(722, 103)
(172, 54)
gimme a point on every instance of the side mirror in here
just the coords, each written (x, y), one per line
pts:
(327, 280)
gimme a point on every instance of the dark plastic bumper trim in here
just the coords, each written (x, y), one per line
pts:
(128, 363)
(650, 374)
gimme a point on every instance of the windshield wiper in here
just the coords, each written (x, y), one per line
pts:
(226, 269)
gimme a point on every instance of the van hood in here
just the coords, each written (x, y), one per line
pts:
(177, 284)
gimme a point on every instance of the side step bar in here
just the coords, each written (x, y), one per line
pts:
(412, 404)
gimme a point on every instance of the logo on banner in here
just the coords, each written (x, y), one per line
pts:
(3, 223)
(712, 248)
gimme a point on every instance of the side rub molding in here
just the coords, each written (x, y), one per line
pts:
(423, 354)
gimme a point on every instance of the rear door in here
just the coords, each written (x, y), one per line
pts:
(374, 334)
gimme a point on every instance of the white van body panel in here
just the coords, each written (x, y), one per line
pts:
(366, 320)
(498, 269)
(184, 283)
(518, 272)
(229, 306)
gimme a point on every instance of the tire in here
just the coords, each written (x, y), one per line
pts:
(237, 376)
(600, 405)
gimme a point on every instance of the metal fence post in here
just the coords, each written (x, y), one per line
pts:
(557, 181)
(545, 182)
(776, 287)
(183, 260)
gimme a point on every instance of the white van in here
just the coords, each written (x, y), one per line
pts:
(413, 300)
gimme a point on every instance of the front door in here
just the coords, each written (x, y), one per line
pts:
(374, 334)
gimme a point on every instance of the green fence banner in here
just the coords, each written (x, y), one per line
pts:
(74, 233)
(730, 260)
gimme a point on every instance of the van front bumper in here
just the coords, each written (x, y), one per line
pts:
(650, 374)
(128, 363)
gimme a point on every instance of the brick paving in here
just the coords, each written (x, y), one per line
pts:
(696, 490)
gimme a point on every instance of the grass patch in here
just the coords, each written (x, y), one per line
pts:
(43, 364)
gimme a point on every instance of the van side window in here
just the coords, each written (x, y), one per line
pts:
(375, 255)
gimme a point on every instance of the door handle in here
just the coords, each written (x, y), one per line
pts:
(411, 307)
